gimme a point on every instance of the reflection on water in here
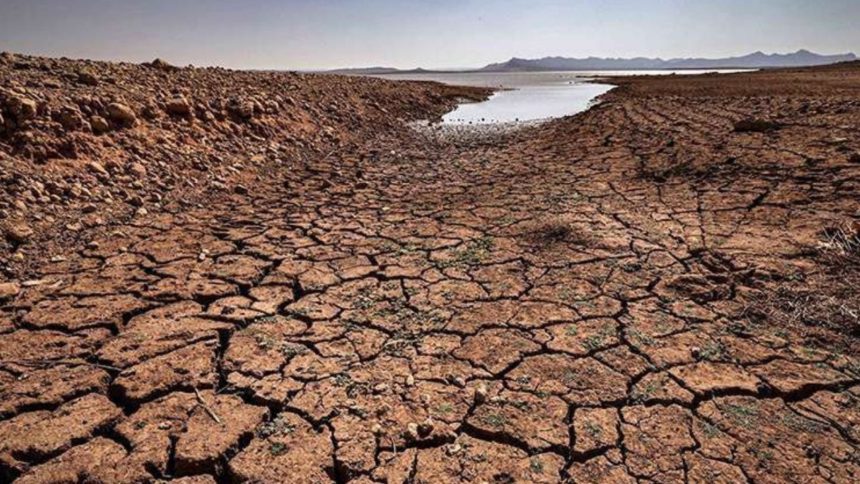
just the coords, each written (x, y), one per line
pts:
(528, 95)
(529, 103)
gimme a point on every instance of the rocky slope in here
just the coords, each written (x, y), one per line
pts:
(82, 142)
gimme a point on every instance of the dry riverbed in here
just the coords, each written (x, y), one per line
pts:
(663, 288)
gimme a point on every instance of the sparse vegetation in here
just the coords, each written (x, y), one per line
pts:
(471, 254)
(551, 233)
(743, 415)
(278, 448)
(278, 426)
(495, 420)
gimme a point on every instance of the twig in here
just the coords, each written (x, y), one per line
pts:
(50, 363)
(206, 406)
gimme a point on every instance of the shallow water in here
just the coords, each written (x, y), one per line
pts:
(528, 96)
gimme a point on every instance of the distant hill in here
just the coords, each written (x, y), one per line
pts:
(757, 60)
(373, 71)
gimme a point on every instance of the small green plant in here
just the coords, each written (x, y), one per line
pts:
(742, 414)
(519, 404)
(641, 338)
(802, 424)
(278, 426)
(713, 351)
(597, 341)
(472, 254)
(495, 420)
(593, 429)
(593, 342)
(277, 448)
(536, 466)
(644, 393)
(710, 430)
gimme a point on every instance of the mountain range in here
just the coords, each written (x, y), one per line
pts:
(756, 60)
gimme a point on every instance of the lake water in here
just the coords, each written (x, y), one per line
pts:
(527, 96)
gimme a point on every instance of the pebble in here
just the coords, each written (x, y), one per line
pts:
(380, 388)
(18, 232)
(97, 168)
(34, 282)
(410, 381)
(99, 124)
(137, 169)
(178, 106)
(481, 393)
(121, 113)
(9, 290)
(412, 431)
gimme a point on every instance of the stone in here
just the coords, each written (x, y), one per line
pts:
(21, 108)
(412, 431)
(70, 118)
(162, 65)
(178, 106)
(99, 124)
(755, 125)
(97, 168)
(244, 109)
(9, 290)
(121, 114)
(87, 78)
(18, 232)
(137, 169)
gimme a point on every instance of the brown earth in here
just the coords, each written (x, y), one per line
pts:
(663, 288)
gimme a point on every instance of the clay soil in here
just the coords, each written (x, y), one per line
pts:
(661, 289)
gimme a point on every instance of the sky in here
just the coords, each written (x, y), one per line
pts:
(321, 34)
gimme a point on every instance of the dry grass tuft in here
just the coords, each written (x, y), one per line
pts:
(828, 299)
(552, 233)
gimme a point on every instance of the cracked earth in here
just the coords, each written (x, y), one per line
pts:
(641, 293)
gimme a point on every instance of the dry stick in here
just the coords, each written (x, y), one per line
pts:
(49, 363)
(205, 406)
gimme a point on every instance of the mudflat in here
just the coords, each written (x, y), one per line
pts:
(663, 288)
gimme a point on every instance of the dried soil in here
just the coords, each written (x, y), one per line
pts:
(611, 297)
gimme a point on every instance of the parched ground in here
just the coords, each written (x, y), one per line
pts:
(653, 290)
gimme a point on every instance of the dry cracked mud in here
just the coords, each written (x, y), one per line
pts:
(645, 292)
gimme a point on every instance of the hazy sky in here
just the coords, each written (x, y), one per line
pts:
(310, 34)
